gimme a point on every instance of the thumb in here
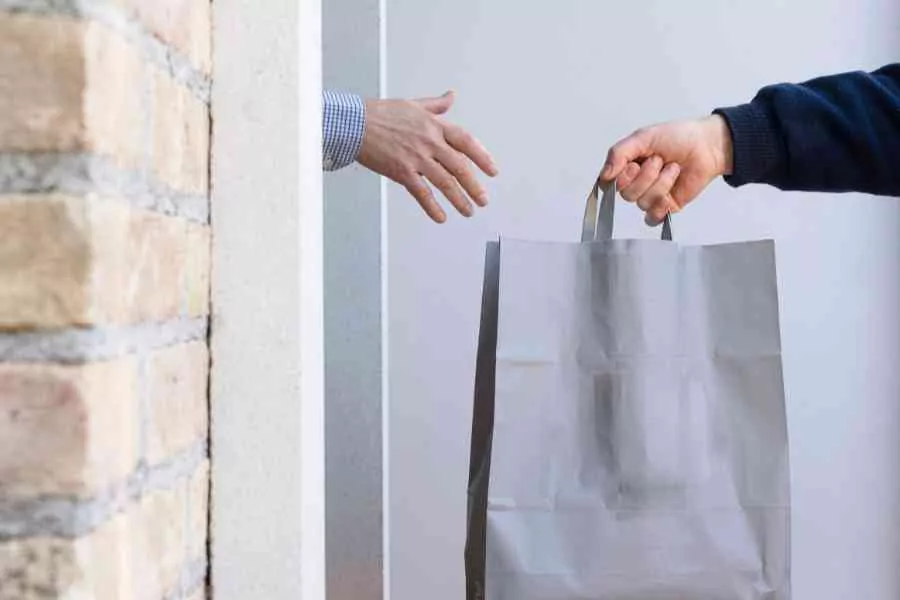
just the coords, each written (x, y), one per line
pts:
(438, 105)
(633, 148)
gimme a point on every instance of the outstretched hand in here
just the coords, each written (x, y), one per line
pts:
(409, 141)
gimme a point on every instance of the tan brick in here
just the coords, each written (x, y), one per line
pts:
(45, 262)
(81, 261)
(156, 259)
(137, 555)
(185, 25)
(195, 288)
(66, 429)
(66, 85)
(160, 550)
(138, 257)
(181, 137)
(177, 382)
(198, 512)
(96, 567)
(114, 112)
(42, 77)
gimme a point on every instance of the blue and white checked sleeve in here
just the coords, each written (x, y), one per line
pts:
(343, 126)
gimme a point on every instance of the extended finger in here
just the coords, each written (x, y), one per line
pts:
(444, 181)
(458, 166)
(419, 190)
(463, 141)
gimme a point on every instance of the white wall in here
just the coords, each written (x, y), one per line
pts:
(547, 86)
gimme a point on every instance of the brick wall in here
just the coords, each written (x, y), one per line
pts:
(104, 277)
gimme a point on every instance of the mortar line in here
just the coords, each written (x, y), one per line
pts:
(143, 406)
(81, 345)
(70, 517)
(80, 173)
(187, 540)
(146, 169)
(170, 60)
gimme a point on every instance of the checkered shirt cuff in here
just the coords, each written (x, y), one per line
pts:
(343, 126)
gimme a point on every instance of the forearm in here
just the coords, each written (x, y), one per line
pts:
(838, 133)
(343, 127)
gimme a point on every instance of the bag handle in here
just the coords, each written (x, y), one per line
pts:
(598, 220)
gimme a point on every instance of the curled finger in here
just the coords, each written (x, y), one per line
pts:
(657, 201)
(644, 180)
(628, 150)
(629, 173)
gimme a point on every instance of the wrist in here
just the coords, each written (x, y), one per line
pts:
(721, 144)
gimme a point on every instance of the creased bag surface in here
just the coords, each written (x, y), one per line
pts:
(629, 439)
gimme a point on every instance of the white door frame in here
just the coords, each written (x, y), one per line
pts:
(267, 414)
(356, 406)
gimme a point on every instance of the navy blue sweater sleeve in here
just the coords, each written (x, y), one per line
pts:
(839, 133)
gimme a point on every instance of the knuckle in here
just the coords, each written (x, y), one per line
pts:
(643, 133)
(614, 155)
(474, 187)
(434, 129)
(464, 172)
(652, 198)
(658, 191)
(658, 214)
(434, 143)
(650, 169)
(453, 192)
(671, 176)
(402, 167)
(445, 184)
(453, 162)
(417, 191)
(408, 176)
(418, 183)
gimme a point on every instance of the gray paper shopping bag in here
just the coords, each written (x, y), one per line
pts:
(629, 438)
